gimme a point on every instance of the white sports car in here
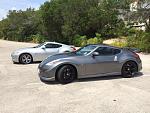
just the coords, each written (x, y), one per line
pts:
(40, 52)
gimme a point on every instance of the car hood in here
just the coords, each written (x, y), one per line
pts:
(56, 57)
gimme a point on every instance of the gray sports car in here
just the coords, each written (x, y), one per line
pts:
(40, 52)
(90, 61)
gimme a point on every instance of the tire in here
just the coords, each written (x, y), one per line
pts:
(25, 58)
(129, 69)
(66, 74)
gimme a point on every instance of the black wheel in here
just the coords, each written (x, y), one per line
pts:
(66, 74)
(129, 69)
(25, 58)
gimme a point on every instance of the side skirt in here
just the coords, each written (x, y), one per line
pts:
(99, 75)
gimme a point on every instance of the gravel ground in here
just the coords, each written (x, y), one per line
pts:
(21, 91)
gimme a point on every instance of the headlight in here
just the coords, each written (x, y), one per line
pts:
(52, 63)
(16, 52)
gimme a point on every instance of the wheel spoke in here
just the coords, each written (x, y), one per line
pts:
(130, 69)
(67, 74)
(23, 59)
(26, 58)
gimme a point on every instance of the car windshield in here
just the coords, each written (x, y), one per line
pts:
(85, 50)
(39, 45)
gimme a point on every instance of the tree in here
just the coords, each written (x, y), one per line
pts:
(142, 14)
(52, 19)
(64, 19)
(20, 24)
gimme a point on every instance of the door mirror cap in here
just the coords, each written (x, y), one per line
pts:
(95, 54)
(43, 47)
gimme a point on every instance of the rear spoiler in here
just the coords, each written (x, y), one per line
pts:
(136, 50)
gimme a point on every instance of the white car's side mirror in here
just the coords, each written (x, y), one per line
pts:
(43, 47)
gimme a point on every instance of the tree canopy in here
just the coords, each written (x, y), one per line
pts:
(64, 20)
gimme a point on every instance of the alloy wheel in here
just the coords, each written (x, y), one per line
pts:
(66, 74)
(129, 69)
(26, 59)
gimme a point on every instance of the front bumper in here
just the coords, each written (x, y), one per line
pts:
(48, 75)
(47, 79)
(15, 58)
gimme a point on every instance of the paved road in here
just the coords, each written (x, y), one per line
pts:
(21, 91)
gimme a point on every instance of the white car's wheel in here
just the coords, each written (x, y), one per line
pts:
(25, 58)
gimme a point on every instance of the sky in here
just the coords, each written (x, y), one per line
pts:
(6, 5)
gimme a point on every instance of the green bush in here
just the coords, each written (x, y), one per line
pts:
(119, 44)
(82, 40)
(132, 31)
(100, 39)
(37, 38)
(140, 40)
(94, 41)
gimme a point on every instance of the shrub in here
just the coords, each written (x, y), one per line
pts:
(119, 44)
(82, 40)
(132, 31)
(38, 38)
(94, 41)
(140, 40)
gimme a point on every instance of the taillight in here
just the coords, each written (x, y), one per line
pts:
(135, 55)
(74, 49)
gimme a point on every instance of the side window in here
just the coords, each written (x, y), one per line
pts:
(49, 46)
(56, 46)
(105, 51)
(116, 51)
(53, 45)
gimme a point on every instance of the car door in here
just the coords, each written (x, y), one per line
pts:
(105, 62)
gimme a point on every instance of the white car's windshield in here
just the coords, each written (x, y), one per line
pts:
(39, 45)
(85, 50)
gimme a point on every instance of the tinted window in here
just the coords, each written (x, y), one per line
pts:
(107, 51)
(116, 51)
(53, 45)
(104, 51)
(39, 45)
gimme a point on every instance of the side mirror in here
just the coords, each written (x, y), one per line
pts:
(95, 54)
(43, 47)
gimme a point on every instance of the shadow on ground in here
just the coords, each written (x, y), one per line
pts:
(37, 62)
(139, 74)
